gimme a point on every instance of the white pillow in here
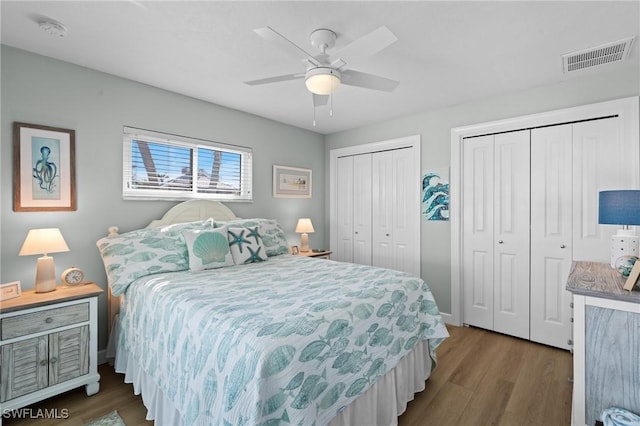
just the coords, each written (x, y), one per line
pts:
(208, 249)
(246, 245)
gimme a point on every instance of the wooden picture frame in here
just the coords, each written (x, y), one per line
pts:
(44, 176)
(10, 290)
(295, 250)
(291, 182)
(632, 279)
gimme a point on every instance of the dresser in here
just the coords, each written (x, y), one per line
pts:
(606, 338)
(48, 344)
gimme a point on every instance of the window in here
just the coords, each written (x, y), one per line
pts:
(162, 166)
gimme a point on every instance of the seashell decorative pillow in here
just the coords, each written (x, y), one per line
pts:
(246, 245)
(208, 249)
(147, 251)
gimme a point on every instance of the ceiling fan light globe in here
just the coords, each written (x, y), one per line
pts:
(322, 81)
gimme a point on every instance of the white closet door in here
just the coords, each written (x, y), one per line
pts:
(551, 234)
(362, 209)
(383, 188)
(511, 234)
(602, 161)
(478, 241)
(353, 209)
(344, 209)
(396, 198)
(406, 203)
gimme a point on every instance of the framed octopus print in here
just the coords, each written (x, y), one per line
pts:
(44, 176)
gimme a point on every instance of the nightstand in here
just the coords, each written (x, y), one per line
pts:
(48, 344)
(324, 254)
(606, 342)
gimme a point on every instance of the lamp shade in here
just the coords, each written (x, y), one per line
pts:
(43, 241)
(304, 226)
(621, 207)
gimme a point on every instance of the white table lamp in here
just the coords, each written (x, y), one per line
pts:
(621, 207)
(304, 227)
(44, 241)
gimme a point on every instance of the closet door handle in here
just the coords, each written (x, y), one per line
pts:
(387, 235)
(562, 246)
(500, 242)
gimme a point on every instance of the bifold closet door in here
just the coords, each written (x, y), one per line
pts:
(354, 209)
(478, 241)
(395, 199)
(551, 233)
(602, 160)
(511, 229)
(362, 214)
(571, 164)
(344, 209)
(496, 252)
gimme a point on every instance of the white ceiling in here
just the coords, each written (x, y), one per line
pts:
(447, 53)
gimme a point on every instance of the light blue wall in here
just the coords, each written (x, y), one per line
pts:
(435, 126)
(43, 91)
(40, 90)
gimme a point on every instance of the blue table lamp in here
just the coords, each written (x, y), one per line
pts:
(621, 207)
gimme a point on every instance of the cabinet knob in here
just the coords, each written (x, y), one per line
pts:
(500, 242)
(562, 246)
(43, 362)
(387, 235)
(49, 320)
(570, 342)
(356, 232)
(54, 360)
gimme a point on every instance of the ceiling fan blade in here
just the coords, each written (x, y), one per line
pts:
(285, 44)
(368, 81)
(275, 79)
(365, 46)
(320, 100)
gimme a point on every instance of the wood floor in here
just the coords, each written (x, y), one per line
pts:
(485, 378)
(482, 378)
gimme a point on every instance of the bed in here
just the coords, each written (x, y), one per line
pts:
(285, 340)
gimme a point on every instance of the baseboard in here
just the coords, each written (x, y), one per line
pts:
(447, 318)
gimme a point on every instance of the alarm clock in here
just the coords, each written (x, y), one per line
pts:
(72, 276)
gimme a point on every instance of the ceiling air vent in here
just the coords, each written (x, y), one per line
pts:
(609, 53)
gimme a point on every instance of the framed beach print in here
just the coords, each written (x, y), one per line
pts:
(291, 182)
(44, 176)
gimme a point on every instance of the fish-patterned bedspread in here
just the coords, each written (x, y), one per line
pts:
(291, 340)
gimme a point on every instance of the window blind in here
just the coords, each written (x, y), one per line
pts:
(164, 166)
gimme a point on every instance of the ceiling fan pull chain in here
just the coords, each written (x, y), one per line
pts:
(314, 116)
(331, 105)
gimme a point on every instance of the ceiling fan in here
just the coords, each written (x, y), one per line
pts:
(325, 72)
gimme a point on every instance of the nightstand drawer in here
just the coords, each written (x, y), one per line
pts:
(23, 325)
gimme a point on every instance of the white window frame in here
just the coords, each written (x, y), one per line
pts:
(128, 193)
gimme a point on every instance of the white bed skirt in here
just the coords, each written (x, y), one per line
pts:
(380, 405)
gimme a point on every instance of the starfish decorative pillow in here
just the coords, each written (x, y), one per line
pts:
(246, 245)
